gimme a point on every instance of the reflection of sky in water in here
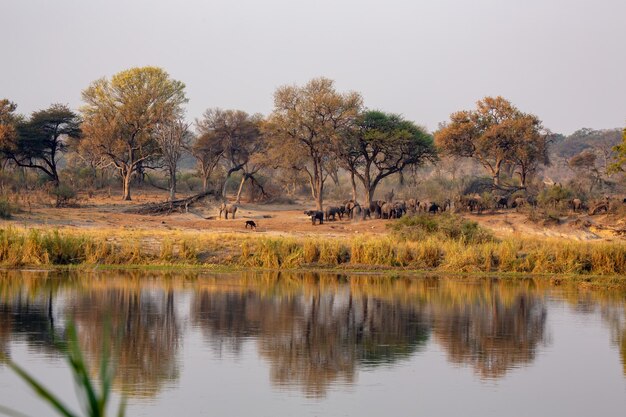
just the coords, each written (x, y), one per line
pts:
(404, 348)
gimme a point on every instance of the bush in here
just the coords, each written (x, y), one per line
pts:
(447, 225)
(6, 209)
(64, 194)
(556, 196)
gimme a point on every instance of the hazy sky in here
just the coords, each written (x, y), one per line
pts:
(564, 60)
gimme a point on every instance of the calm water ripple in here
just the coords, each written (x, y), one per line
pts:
(277, 344)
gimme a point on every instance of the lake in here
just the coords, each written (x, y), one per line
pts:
(286, 344)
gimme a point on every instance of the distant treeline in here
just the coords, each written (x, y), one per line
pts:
(134, 123)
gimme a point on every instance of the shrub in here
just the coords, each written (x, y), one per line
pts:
(6, 209)
(556, 196)
(64, 194)
(447, 225)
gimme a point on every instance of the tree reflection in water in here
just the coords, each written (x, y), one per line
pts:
(144, 323)
(315, 336)
(314, 330)
(493, 329)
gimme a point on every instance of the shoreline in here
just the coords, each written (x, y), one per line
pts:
(586, 263)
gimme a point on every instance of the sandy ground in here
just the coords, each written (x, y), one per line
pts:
(103, 212)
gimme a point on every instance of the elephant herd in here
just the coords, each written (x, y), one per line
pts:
(474, 203)
(378, 209)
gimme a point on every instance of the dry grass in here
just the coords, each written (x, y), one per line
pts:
(24, 247)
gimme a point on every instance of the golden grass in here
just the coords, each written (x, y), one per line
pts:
(24, 247)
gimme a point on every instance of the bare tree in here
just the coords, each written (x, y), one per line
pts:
(208, 150)
(239, 135)
(173, 137)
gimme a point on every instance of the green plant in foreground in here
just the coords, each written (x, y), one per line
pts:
(93, 400)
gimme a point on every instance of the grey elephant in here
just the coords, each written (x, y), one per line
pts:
(228, 208)
(334, 212)
(316, 215)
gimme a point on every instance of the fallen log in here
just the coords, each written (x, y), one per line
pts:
(182, 205)
(598, 208)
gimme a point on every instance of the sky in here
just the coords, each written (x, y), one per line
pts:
(563, 60)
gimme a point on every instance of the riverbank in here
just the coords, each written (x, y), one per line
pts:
(555, 258)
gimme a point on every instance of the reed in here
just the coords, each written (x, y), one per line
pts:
(94, 397)
(434, 251)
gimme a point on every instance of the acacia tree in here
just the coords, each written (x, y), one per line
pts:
(491, 134)
(304, 126)
(208, 150)
(584, 165)
(173, 137)
(531, 147)
(39, 141)
(620, 158)
(8, 121)
(239, 136)
(121, 115)
(380, 145)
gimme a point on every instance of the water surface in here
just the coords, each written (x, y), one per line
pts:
(276, 344)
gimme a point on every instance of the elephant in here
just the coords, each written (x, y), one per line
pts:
(227, 208)
(501, 202)
(356, 212)
(447, 204)
(387, 211)
(471, 203)
(333, 212)
(315, 215)
(375, 209)
(518, 202)
(399, 209)
(434, 208)
(424, 206)
(349, 207)
(576, 204)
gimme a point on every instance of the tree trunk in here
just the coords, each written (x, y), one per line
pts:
(369, 196)
(226, 183)
(353, 185)
(173, 185)
(319, 186)
(496, 174)
(205, 183)
(319, 190)
(522, 176)
(243, 180)
(126, 182)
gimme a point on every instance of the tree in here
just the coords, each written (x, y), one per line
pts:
(39, 141)
(530, 149)
(208, 150)
(239, 135)
(8, 121)
(121, 115)
(382, 144)
(620, 158)
(173, 137)
(584, 166)
(492, 134)
(304, 126)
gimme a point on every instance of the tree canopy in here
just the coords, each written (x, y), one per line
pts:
(38, 141)
(121, 115)
(238, 134)
(494, 134)
(304, 126)
(381, 144)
